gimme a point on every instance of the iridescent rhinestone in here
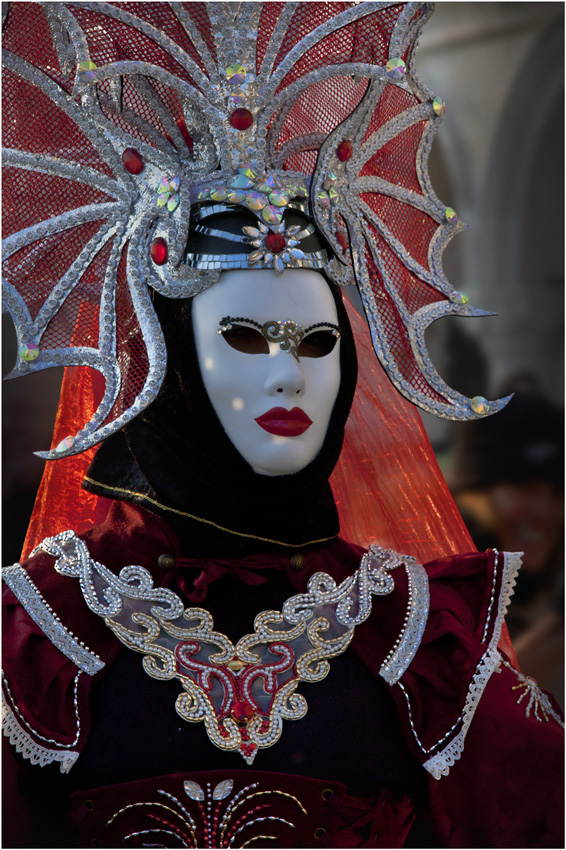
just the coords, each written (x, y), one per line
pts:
(333, 195)
(163, 185)
(235, 74)
(87, 70)
(479, 404)
(65, 444)
(236, 197)
(29, 352)
(173, 203)
(133, 160)
(162, 199)
(330, 180)
(241, 119)
(219, 194)
(395, 68)
(255, 201)
(322, 199)
(247, 170)
(268, 184)
(241, 182)
(272, 215)
(279, 199)
(450, 215)
(238, 97)
(438, 106)
(203, 194)
(458, 297)
(174, 183)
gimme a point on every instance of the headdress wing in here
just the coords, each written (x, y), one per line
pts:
(119, 117)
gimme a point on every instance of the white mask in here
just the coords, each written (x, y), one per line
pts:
(294, 382)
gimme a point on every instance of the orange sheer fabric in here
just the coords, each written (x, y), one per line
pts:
(61, 503)
(387, 484)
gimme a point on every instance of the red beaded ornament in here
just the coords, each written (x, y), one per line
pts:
(159, 251)
(275, 243)
(345, 150)
(341, 239)
(133, 161)
(241, 119)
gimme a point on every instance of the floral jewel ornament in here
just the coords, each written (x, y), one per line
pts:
(131, 121)
(277, 246)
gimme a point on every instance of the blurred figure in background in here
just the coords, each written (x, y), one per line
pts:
(507, 479)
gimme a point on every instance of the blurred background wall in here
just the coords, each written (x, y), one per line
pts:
(498, 160)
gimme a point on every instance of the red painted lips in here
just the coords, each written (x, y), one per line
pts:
(284, 423)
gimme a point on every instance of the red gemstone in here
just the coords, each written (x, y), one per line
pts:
(159, 251)
(242, 711)
(344, 150)
(275, 243)
(341, 239)
(133, 161)
(241, 119)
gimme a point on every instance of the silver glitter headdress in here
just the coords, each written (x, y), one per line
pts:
(125, 121)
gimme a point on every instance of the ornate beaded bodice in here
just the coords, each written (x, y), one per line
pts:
(243, 692)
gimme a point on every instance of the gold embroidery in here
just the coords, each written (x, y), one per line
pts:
(214, 828)
(208, 521)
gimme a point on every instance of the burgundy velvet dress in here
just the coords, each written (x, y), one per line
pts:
(453, 749)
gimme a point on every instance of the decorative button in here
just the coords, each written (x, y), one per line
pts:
(328, 792)
(166, 562)
(318, 833)
(133, 161)
(89, 805)
(159, 251)
(297, 562)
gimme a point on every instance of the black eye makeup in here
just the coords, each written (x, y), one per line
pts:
(251, 337)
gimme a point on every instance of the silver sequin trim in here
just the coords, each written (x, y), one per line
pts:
(43, 615)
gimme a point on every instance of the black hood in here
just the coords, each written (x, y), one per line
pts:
(176, 460)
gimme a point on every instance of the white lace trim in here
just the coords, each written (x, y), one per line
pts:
(29, 749)
(440, 764)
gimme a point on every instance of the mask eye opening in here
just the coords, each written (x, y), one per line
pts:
(243, 338)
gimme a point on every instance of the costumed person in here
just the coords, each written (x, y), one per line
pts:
(192, 655)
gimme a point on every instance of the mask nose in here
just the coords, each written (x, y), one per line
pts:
(285, 377)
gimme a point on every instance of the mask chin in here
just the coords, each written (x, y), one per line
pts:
(273, 404)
